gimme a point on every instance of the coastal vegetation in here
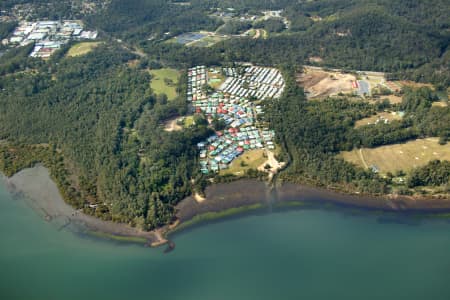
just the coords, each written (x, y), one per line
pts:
(97, 120)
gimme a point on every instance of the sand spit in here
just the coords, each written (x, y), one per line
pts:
(42, 194)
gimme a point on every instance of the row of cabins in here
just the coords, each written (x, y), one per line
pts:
(48, 36)
(197, 78)
(239, 115)
(257, 82)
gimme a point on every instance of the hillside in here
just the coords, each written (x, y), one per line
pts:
(97, 119)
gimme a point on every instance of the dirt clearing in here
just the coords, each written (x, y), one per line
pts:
(319, 83)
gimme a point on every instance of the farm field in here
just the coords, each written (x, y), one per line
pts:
(380, 117)
(319, 83)
(165, 81)
(400, 156)
(249, 160)
(82, 48)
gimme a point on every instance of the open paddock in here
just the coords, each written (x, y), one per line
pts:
(165, 81)
(82, 48)
(397, 157)
(440, 104)
(380, 117)
(413, 84)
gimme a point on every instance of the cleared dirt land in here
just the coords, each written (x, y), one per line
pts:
(165, 81)
(171, 125)
(82, 48)
(400, 156)
(320, 84)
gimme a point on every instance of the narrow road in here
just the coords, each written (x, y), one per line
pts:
(361, 156)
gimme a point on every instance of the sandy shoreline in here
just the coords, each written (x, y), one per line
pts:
(42, 194)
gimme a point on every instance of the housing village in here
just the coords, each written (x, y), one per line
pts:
(236, 104)
(48, 36)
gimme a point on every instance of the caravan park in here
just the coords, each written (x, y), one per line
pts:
(235, 103)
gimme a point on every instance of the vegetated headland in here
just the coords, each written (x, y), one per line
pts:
(40, 192)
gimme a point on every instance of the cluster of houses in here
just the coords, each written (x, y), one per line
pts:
(242, 131)
(253, 82)
(48, 36)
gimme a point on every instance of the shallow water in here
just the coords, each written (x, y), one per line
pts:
(302, 254)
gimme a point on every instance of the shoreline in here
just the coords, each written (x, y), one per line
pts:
(221, 201)
(250, 195)
(36, 187)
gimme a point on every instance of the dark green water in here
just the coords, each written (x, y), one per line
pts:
(308, 254)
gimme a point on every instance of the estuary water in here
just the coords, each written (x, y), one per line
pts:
(296, 254)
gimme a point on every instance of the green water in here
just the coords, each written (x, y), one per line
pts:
(305, 254)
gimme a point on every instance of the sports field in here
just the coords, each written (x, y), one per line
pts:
(165, 81)
(82, 48)
(399, 156)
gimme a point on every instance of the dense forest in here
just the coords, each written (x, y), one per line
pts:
(97, 124)
(105, 121)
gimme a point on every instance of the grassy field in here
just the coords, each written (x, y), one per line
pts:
(159, 84)
(82, 48)
(380, 116)
(400, 156)
(215, 79)
(413, 84)
(393, 99)
(188, 121)
(440, 104)
(249, 160)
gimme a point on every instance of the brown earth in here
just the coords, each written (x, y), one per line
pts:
(321, 84)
